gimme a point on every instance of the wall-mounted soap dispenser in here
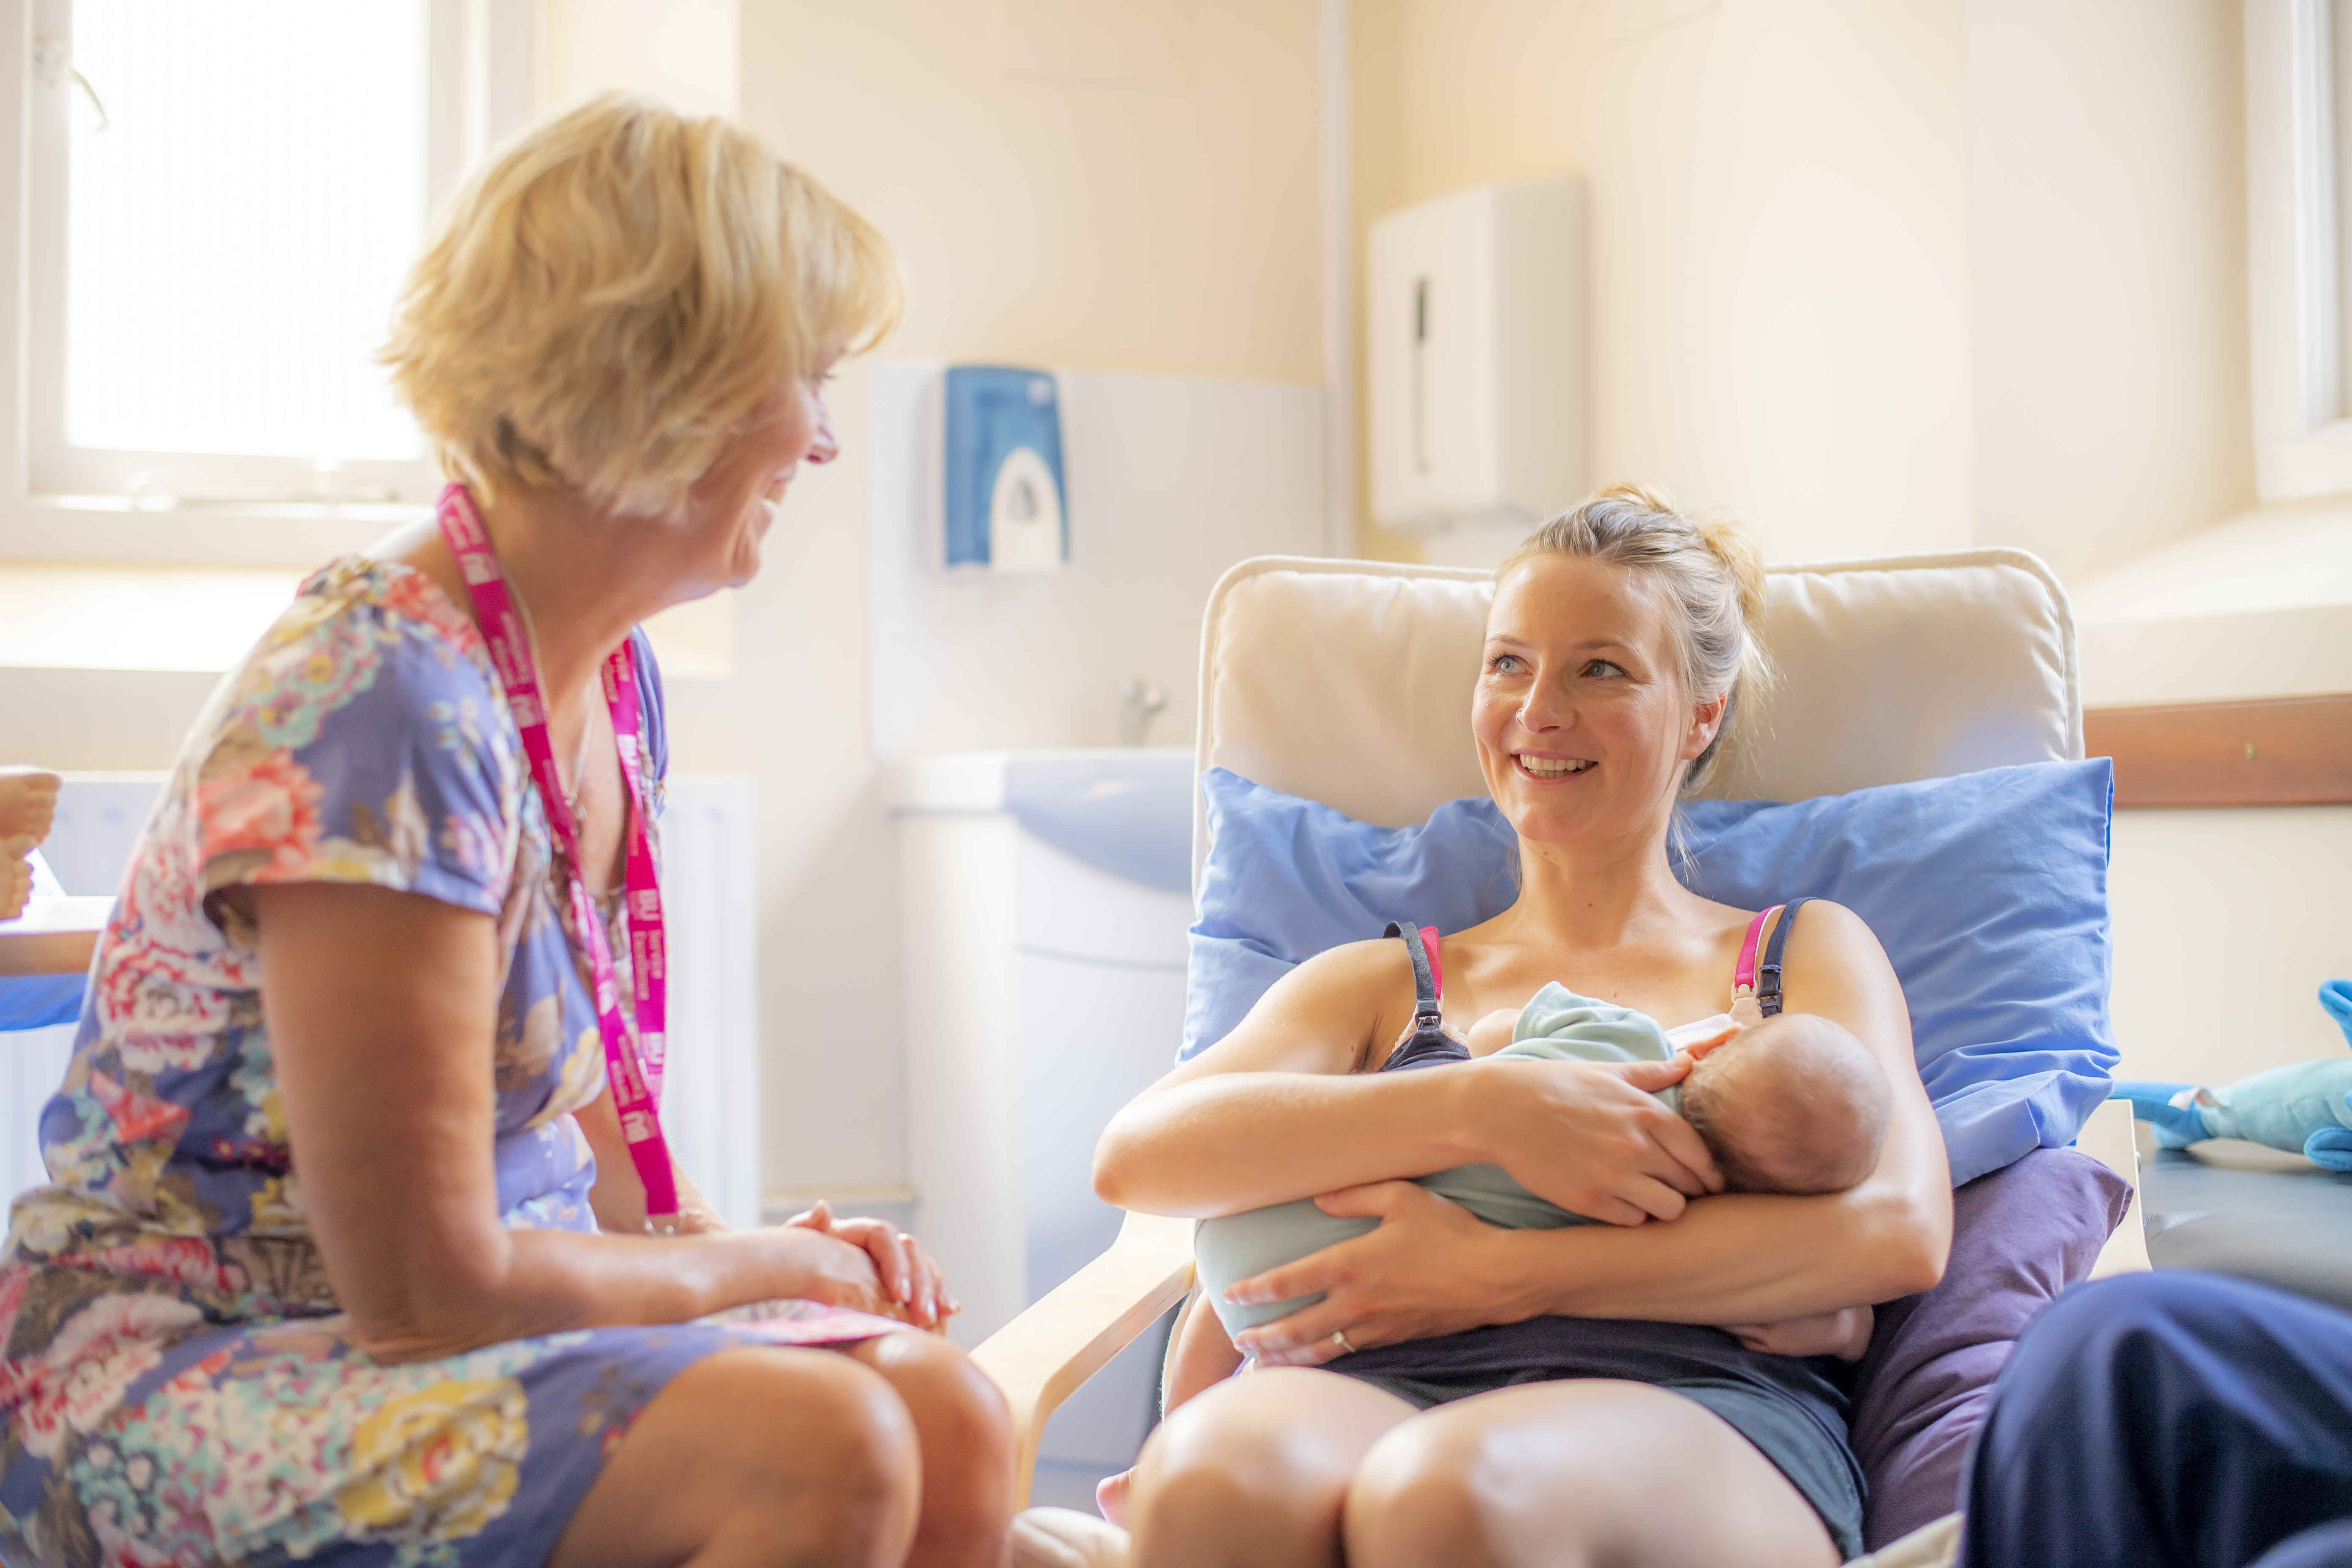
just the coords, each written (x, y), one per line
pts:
(1475, 366)
(1003, 471)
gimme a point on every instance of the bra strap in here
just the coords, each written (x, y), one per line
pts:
(1427, 1012)
(1768, 974)
(1743, 973)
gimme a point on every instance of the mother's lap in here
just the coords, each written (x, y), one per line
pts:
(1287, 1466)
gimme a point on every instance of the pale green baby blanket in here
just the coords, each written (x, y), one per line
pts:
(1556, 1025)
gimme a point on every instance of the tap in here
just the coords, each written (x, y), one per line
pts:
(1136, 703)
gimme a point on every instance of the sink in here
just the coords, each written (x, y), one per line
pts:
(1126, 810)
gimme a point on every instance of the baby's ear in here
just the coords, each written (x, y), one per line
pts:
(1697, 1050)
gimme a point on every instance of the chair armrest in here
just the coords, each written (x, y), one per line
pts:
(2108, 1138)
(1041, 1357)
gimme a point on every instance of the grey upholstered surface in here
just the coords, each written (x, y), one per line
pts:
(2240, 1209)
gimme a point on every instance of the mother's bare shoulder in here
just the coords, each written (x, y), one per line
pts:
(1321, 1017)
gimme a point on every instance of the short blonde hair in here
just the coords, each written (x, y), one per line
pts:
(609, 296)
(1713, 577)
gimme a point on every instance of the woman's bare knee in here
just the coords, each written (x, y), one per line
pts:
(1254, 1472)
(1430, 1492)
(1571, 1473)
(965, 1433)
(756, 1456)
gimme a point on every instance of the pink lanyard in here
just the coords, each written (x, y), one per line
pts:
(635, 1081)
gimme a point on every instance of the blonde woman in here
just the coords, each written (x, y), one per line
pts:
(1536, 1397)
(363, 1245)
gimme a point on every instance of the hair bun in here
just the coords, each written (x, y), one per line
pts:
(1729, 537)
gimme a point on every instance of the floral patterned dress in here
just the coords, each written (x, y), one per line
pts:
(176, 1385)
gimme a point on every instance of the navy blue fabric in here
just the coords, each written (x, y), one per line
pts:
(2168, 1420)
(1989, 892)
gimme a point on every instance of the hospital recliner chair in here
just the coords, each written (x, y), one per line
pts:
(1349, 682)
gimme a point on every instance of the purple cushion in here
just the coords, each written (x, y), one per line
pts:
(2019, 1236)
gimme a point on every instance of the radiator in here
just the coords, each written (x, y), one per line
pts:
(710, 1102)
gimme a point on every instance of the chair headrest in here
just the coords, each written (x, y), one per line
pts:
(1349, 681)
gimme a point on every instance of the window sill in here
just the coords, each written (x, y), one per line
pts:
(108, 529)
(202, 619)
(2259, 606)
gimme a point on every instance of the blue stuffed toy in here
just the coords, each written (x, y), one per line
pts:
(2305, 1109)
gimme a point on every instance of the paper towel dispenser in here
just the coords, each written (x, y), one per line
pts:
(1003, 500)
(1476, 359)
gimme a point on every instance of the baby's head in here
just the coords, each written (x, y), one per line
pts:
(1794, 1104)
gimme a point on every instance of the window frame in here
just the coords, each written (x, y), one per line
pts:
(2302, 382)
(479, 56)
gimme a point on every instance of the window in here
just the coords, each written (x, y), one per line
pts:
(225, 196)
(2298, 175)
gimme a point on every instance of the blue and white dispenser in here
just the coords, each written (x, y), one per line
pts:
(1004, 505)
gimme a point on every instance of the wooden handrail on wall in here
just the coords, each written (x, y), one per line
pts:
(2283, 751)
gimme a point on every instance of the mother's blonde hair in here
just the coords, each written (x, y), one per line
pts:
(1713, 575)
(611, 293)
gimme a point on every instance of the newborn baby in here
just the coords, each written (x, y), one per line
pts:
(1794, 1104)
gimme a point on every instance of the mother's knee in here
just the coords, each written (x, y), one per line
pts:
(1427, 1492)
(1251, 1470)
(1455, 1488)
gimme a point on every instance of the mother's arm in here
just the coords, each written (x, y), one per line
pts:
(1277, 1111)
(1735, 1258)
(382, 1011)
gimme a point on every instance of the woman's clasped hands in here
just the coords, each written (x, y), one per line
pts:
(1592, 1138)
(868, 1264)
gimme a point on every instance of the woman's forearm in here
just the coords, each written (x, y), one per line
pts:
(1735, 1258)
(528, 1283)
(1230, 1141)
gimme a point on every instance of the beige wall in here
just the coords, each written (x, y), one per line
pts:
(1127, 188)
(1905, 277)
(1142, 199)
(1779, 288)
(1047, 215)
(2107, 274)
(1882, 276)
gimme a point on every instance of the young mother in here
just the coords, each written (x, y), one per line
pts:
(1567, 1397)
(346, 1255)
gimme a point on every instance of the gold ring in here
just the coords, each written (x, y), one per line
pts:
(1339, 1337)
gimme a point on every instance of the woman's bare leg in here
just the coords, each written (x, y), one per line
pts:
(757, 1457)
(965, 1434)
(1252, 1473)
(1569, 1475)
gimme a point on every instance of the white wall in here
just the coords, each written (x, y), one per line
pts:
(1904, 277)
(1092, 188)
(1129, 188)
(1780, 269)
(2107, 274)
(1171, 480)
(1779, 221)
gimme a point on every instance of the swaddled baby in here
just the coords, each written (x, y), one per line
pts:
(1793, 1104)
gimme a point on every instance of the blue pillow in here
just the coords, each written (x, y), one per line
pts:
(1990, 892)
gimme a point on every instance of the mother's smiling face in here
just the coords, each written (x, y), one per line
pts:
(1583, 721)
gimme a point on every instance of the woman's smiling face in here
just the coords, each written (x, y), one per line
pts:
(732, 506)
(1581, 721)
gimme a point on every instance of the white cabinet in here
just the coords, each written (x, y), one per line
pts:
(1042, 992)
(1474, 351)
